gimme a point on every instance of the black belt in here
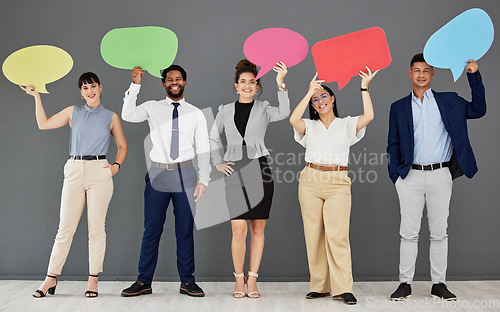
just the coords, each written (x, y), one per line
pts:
(430, 166)
(87, 157)
(173, 166)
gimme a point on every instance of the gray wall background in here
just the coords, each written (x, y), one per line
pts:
(211, 36)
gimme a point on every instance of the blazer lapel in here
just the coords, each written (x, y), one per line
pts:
(230, 115)
(251, 117)
(442, 108)
(409, 115)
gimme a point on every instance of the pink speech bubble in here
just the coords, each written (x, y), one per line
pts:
(340, 58)
(269, 46)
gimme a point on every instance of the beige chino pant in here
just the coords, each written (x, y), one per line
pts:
(84, 181)
(325, 202)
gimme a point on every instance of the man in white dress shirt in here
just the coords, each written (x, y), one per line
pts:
(175, 127)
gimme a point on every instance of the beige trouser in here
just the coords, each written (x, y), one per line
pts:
(325, 202)
(84, 180)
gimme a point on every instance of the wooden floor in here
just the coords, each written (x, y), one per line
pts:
(372, 296)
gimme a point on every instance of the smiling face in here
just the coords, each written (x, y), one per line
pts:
(91, 92)
(174, 85)
(322, 101)
(246, 87)
(421, 75)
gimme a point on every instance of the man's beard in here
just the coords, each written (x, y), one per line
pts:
(175, 95)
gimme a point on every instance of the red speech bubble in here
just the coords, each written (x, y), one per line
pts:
(340, 58)
(269, 46)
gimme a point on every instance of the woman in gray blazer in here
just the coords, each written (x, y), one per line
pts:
(249, 183)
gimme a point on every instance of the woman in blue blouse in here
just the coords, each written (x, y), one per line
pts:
(87, 177)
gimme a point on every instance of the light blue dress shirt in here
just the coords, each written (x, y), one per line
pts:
(432, 142)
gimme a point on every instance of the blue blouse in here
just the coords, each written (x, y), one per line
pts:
(91, 131)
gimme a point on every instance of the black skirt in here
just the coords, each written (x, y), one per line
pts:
(249, 189)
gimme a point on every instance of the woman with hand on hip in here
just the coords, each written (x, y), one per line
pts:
(87, 177)
(249, 184)
(325, 187)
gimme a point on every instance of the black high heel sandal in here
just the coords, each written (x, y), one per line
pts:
(91, 293)
(50, 291)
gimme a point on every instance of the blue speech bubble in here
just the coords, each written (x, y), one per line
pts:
(466, 37)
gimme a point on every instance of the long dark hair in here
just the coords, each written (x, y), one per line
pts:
(313, 114)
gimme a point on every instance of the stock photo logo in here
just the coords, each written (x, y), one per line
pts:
(251, 182)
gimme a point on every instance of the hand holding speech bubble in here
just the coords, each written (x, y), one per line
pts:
(466, 37)
(37, 66)
(340, 58)
(153, 48)
(269, 46)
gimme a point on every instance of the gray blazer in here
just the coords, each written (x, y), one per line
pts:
(260, 116)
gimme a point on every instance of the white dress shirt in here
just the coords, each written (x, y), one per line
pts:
(192, 129)
(329, 146)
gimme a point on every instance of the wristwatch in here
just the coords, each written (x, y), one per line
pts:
(365, 89)
(282, 87)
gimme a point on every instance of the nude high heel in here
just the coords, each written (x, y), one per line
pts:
(239, 294)
(253, 294)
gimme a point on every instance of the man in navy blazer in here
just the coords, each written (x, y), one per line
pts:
(428, 147)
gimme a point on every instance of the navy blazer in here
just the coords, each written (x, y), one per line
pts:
(455, 111)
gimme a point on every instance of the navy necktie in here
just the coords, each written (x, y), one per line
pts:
(174, 142)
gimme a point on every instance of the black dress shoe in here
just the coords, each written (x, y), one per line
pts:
(348, 298)
(191, 289)
(316, 295)
(138, 288)
(441, 291)
(403, 292)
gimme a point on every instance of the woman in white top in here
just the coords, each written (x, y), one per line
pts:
(325, 187)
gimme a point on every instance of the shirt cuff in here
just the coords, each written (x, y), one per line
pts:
(134, 87)
(204, 181)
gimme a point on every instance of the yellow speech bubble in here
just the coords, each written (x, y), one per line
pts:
(37, 66)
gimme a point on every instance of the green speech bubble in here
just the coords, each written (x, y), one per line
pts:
(153, 48)
(37, 66)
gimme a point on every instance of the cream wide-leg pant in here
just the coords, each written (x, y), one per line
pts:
(84, 181)
(325, 202)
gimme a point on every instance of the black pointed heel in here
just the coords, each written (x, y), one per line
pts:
(50, 291)
(91, 293)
